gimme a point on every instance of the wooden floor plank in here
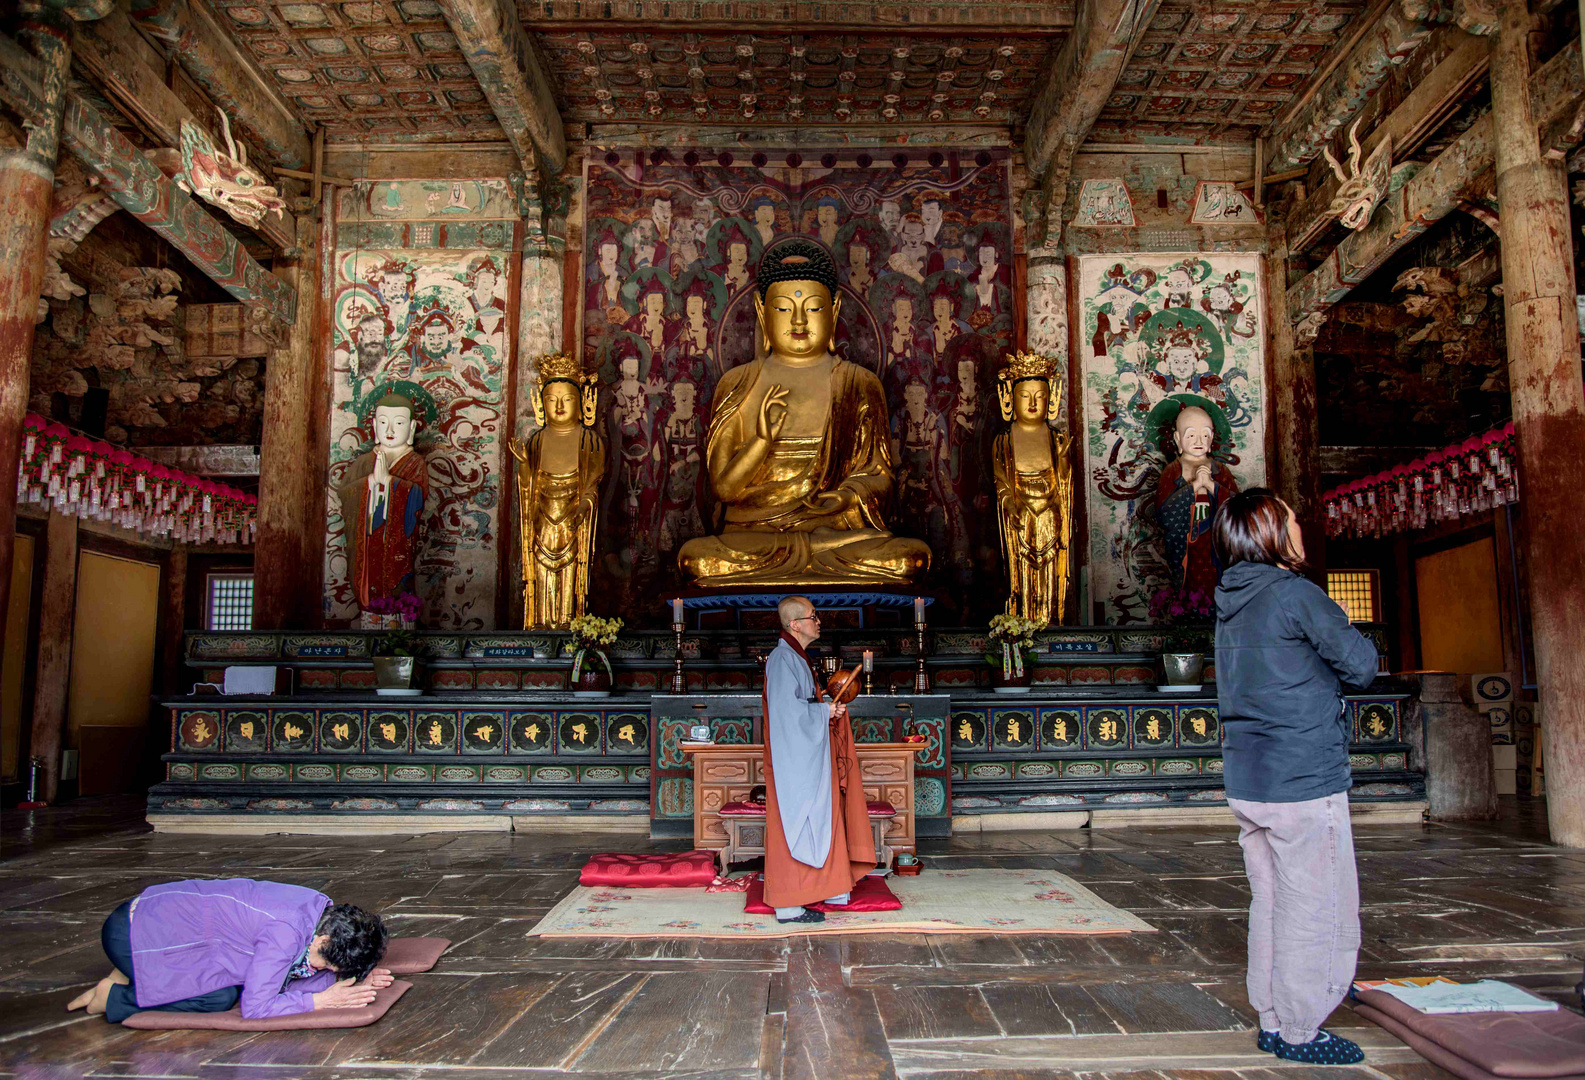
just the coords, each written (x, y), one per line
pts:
(684, 1023)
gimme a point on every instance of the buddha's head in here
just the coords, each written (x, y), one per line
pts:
(1031, 401)
(562, 402)
(394, 425)
(797, 302)
(1194, 434)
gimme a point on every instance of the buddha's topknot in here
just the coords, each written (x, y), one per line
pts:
(796, 260)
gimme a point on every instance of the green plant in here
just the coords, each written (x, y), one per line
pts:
(591, 634)
(398, 643)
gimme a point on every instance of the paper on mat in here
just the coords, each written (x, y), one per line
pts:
(1487, 995)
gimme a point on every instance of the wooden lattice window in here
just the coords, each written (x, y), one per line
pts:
(230, 602)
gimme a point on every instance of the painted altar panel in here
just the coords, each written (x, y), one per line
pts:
(420, 305)
(923, 243)
(1150, 328)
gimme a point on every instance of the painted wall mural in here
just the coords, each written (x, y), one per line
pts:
(1153, 328)
(924, 246)
(421, 307)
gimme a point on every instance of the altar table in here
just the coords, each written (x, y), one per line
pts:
(727, 773)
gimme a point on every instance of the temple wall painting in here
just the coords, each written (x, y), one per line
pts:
(421, 305)
(923, 243)
(1150, 329)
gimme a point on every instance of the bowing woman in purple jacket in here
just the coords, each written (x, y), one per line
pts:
(200, 946)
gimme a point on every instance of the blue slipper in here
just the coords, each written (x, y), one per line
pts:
(1266, 1042)
(1324, 1049)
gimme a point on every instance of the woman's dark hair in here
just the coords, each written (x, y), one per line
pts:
(1252, 526)
(357, 940)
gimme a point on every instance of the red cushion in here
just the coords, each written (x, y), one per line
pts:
(688, 870)
(881, 809)
(870, 894)
(742, 809)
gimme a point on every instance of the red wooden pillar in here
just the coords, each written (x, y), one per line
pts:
(1548, 410)
(27, 179)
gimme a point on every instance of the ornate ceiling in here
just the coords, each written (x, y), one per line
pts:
(390, 70)
(1213, 71)
(812, 78)
(366, 70)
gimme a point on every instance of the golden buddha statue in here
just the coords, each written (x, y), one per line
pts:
(1034, 489)
(798, 450)
(558, 486)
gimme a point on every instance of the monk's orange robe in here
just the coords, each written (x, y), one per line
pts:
(790, 883)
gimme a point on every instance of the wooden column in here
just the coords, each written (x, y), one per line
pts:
(1297, 470)
(27, 179)
(284, 552)
(1548, 410)
(53, 676)
(173, 622)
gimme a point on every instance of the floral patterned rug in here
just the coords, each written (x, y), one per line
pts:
(935, 902)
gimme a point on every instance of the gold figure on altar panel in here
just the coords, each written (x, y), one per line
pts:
(1034, 489)
(558, 486)
(798, 450)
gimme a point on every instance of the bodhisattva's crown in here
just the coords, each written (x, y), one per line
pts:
(555, 366)
(1019, 366)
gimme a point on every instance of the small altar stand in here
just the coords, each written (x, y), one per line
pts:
(724, 776)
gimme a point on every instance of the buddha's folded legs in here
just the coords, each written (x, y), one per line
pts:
(799, 558)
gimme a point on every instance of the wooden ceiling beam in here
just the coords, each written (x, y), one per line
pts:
(1075, 87)
(1558, 92)
(1425, 108)
(143, 191)
(514, 78)
(1298, 137)
(229, 76)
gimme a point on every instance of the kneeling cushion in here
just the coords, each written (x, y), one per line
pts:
(1486, 1046)
(688, 870)
(870, 894)
(410, 955)
(232, 1019)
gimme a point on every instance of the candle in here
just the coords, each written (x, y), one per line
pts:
(919, 611)
(676, 611)
(869, 661)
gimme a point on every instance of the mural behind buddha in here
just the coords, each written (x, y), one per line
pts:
(669, 253)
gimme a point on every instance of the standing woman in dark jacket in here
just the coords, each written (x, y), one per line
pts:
(1284, 650)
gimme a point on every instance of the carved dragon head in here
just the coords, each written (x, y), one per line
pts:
(1361, 186)
(223, 177)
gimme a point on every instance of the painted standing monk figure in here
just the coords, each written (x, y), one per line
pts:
(798, 452)
(382, 504)
(558, 483)
(1193, 487)
(818, 843)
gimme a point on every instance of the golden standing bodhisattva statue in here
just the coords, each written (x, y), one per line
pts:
(1034, 489)
(798, 450)
(558, 486)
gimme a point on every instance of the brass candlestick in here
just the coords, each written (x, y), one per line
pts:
(921, 675)
(869, 682)
(679, 681)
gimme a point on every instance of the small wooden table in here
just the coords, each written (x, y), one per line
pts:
(724, 774)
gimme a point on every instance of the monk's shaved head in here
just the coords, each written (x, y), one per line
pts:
(793, 608)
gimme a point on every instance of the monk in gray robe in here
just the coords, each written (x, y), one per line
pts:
(818, 842)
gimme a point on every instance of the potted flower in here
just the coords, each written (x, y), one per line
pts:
(1013, 664)
(1187, 620)
(591, 667)
(396, 663)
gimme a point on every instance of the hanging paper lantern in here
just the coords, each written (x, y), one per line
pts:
(1469, 477)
